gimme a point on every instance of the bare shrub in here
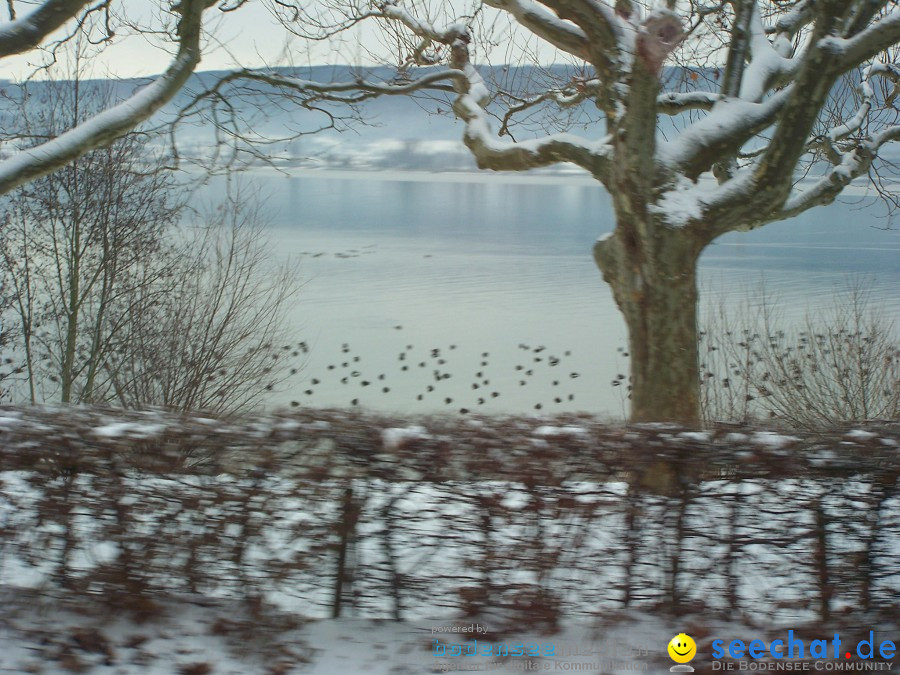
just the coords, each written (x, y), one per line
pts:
(107, 298)
(837, 366)
(72, 240)
(215, 339)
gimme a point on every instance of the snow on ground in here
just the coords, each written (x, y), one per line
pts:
(193, 635)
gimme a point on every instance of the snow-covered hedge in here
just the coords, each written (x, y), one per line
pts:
(327, 512)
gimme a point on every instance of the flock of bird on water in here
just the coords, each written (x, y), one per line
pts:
(348, 371)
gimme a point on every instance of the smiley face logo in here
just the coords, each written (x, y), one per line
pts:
(682, 648)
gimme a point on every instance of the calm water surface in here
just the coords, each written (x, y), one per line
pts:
(463, 280)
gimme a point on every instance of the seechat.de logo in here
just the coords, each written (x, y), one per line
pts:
(794, 653)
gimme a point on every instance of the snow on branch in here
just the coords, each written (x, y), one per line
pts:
(489, 150)
(545, 25)
(735, 194)
(866, 44)
(768, 62)
(790, 23)
(473, 96)
(853, 125)
(492, 153)
(729, 125)
(565, 97)
(391, 10)
(105, 127)
(599, 23)
(673, 103)
(26, 33)
(852, 165)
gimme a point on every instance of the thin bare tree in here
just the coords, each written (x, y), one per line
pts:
(216, 339)
(113, 299)
(73, 239)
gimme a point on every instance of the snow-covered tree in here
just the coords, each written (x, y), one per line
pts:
(772, 107)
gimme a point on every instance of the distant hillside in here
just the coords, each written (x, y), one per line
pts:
(396, 132)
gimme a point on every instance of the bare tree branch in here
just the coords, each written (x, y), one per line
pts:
(853, 165)
(675, 103)
(711, 138)
(545, 25)
(866, 44)
(600, 25)
(22, 34)
(118, 120)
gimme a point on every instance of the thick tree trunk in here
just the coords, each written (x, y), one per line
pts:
(654, 285)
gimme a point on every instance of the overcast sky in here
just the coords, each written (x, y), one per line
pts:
(250, 36)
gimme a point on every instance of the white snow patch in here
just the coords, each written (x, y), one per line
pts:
(113, 430)
(477, 88)
(190, 633)
(394, 438)
(726, 119)
(685, 202)
(6, 422)
(515, 501)
(129, 429)
(767, 63)
(770, 439)
(546, 431)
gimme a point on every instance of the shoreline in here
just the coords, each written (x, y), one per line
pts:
(413, 176)
(574, 177)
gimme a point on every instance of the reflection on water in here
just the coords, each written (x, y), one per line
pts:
(446, 294)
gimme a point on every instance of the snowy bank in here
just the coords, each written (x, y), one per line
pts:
(522, 523)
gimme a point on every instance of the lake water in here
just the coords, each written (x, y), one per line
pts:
(439, 291)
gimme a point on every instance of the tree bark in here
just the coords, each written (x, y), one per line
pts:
(653, 279)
